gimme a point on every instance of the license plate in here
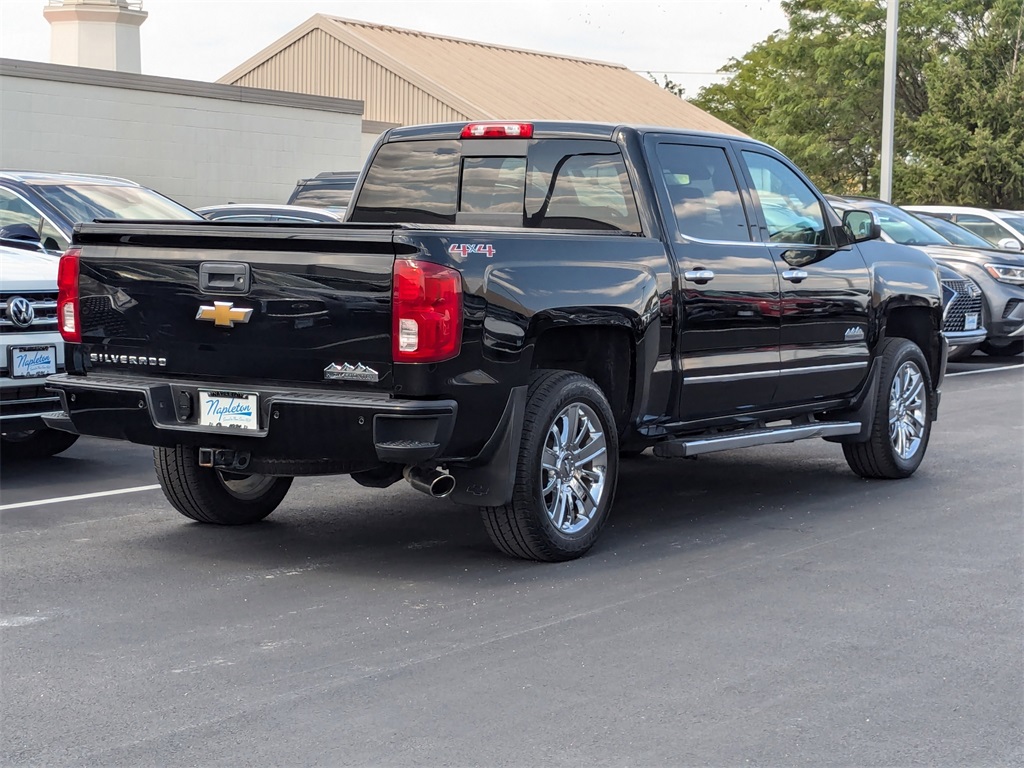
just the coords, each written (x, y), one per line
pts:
(971, 322)
(33, 362)
(236, 410)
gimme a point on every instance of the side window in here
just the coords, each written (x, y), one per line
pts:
(792, 211)
(14, 210)
(979, 225)
(579, 185)
(703, 191)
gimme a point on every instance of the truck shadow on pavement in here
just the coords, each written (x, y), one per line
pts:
(662, 507)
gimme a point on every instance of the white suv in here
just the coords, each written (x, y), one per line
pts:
(30, 350)
(1004, 229)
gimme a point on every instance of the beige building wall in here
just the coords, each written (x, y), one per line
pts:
(408, 77)
(199, 143)
(317, 63)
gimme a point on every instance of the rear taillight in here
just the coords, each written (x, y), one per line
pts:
(427, 312)
(68, 316)
(497, 131)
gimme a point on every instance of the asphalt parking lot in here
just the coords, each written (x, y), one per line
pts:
(759, 607)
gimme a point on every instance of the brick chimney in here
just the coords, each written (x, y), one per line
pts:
(102, 34)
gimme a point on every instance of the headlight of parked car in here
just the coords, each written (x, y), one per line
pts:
(1006, 273)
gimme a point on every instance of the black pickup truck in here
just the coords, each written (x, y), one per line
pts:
(508, 310)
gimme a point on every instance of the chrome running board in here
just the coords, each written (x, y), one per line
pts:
(694, 446)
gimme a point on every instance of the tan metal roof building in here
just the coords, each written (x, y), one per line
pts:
(409, 77)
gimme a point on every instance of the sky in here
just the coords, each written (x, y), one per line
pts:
(687, 40)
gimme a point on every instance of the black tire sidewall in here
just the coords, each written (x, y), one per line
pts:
(904, 351)
(1011, 348)
(575, 388)
(197, 492)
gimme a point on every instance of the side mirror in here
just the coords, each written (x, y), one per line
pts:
(861, 226)
(21, 236)
(1009, 244)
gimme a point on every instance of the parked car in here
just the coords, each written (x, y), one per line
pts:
(1000, 274)
(511, 306)
(956, 234)
(39, 210)
(1003, 229)
(331, 189)
(282, 214)
(31, 349)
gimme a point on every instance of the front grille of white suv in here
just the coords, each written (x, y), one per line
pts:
(39, 309)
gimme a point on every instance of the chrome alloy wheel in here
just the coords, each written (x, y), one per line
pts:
(245, 487)
(908, 410)
(574, 468)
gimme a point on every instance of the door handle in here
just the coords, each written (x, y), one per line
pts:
(794, 275)
(699, 276)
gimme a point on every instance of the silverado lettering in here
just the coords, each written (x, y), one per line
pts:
(522, 305)
(102, 357)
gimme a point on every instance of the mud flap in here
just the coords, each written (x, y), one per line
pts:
(863, 411)
(490, 483)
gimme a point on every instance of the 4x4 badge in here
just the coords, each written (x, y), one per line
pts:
(224, 314)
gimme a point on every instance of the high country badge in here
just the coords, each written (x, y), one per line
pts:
(349, 372)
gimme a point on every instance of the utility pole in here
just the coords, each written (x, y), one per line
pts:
(889, 99)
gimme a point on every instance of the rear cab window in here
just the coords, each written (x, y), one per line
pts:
(542, 184)
(703, 192)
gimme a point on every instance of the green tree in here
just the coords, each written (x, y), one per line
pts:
(968, 147)
(815, 92)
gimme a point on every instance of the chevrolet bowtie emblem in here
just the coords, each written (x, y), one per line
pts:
(224, 314)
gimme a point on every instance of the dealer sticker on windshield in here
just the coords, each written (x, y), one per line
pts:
(229, 409)
(33, 362)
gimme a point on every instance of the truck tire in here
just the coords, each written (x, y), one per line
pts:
(212, 495)
(35, 444)
(565, 475)
(902, 422)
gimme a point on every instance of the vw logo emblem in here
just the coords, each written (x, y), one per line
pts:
(20, 311)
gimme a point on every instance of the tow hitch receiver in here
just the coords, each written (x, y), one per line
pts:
(222, 458)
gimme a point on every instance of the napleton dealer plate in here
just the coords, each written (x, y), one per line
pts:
(32, 362)
(237, 410)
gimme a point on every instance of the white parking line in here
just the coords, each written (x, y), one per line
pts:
(79, 497)
(985, 370)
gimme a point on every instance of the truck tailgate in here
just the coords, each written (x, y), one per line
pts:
(250, 303)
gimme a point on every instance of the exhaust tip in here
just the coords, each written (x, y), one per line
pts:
(430, 481)
(442, 486)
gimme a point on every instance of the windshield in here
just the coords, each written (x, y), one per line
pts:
(955, 233)
(81, 202)
(906, 229)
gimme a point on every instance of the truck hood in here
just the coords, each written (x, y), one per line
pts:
(27, 271)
